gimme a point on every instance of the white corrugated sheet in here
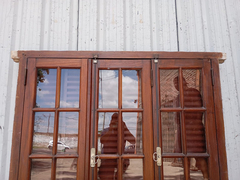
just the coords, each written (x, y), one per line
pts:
(135, 25)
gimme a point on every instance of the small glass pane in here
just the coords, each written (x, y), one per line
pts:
(46, 88)
(66, 169)
(173, 169)
(169, 89)
(171, 132)
(192, 88)
(68, 132)
(132, 124)
(132, 169)
(43, 132)
(131, 89)
(108, 89)
(195, 132)
(198, 168)
(41, 169)
(70, 81)
(107, 169)
(107, 133)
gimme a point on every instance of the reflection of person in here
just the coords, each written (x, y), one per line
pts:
(109, 140)
(195, 134)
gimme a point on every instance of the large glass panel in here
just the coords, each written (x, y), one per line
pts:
(68, 132)
(198, 168)
(66, 169)
(70, 81)
(132, 128)
(107, 133)
(108, 169)
(131, 89)
(169, 88)
(173, 171)
(195, 132)
(132, 169)
(171, 132)
(46, 88)
(43, 132)
(108, 89)
(192, 88)
(41, 169)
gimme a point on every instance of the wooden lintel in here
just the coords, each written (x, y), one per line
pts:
(14, 56)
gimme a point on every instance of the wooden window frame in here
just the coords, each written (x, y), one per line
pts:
(22, 56)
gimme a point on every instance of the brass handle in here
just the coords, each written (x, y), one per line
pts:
(157, 157)
(93, 158)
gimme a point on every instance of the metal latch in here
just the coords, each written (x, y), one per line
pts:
(157, 157)
(93, 157)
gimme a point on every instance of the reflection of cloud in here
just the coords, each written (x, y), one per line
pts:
(46, 81)
(69, 104)
(108, 89)
(42, 93)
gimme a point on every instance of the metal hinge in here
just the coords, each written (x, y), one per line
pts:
(25, 78)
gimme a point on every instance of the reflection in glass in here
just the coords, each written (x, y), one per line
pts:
(171, 132)
(108, 89)
(131, 89)
(169, 90)
(68, 132)
(107, 133)
(107, 169)
(173, 170)
(132, 169)
(70, 81)
(132, 132)
(43, 132)
(66, 169)
(192, 88)
(198, 168)
(41, 169)
(46, 88)
(195, 132)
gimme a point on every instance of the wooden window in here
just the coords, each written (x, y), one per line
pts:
(102, 115)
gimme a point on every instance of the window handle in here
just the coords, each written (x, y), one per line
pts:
(157, 157)
(93, 157)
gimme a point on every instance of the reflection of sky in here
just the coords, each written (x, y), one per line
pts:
(108, 89)
(69, 94)
(44, 122)
(68, 123)
(46, 90)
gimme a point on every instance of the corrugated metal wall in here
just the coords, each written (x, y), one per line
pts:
(135, 25)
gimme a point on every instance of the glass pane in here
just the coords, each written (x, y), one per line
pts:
(43, 132)
(198, 168)
(46, 88)
(70, 81)
(107, 169)
(192, 88)
(169, 89)
(68, 132)
(132, 169)
(131, 89)
(195, 132)
(173, 169)
(171, 132)
(66, 169)
(108, 89)
(132, 124)
(41, 169)
(107, 133)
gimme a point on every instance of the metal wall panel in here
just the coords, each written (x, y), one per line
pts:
(135, 25)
